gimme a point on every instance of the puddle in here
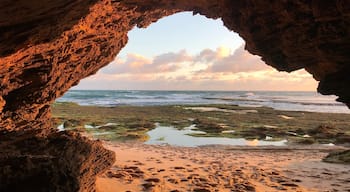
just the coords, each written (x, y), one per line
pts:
(97, 127)
(228, 131)
(101, 133)
(60, 127)
(89, 127)
(172, 136)
(285, 117)
(210, 109)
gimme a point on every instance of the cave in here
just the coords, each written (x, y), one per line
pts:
(48, 46)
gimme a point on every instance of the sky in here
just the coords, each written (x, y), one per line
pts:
(191, 52)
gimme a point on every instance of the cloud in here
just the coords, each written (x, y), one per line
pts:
(221, 60)
(239, 61)
(168, 58)
(137, 64)
(262, 80)
(220, 69)
(209, 56)
(134, 64)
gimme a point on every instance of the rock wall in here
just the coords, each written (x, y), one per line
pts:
(48, 46)
(60, 162)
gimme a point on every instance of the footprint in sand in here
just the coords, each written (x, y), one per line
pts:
(155, 180)
(172, 180)
(178, 167)
(151, 169)
(183, 180)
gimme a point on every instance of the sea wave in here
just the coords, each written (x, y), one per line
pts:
(295, 101)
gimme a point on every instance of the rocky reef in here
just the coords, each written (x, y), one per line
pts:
(48, 46)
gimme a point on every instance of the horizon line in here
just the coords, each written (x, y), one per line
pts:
(193, 90)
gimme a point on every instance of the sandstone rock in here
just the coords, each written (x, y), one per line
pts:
(59, 162)
(48, 46)
(43, 53)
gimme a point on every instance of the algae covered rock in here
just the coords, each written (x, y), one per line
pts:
(338, 157)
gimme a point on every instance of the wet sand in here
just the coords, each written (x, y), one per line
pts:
(141, 167)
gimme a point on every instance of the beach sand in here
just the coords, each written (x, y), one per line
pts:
(141, 167)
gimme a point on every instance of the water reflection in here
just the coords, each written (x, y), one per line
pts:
(172, 136)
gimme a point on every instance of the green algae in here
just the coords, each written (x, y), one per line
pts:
(338, 157)
(133, 122)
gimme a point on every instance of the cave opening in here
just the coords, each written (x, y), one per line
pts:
(179, 57)
(191, 52)
(147, 95)
(289, 35)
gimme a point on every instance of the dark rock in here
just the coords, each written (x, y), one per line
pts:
(72, 123)
(343, 139)
(59, 162)
(208, 126)
(108, 127)
(338, 157)
(324, 131)
(142, 125)
(306, 141)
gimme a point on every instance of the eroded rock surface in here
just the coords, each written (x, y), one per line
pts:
(48, 46)
(60, 162)
(79, 37)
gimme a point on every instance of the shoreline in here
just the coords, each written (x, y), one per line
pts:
(124, 123)
(141, 167)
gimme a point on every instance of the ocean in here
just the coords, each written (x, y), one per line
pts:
(281, 100)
